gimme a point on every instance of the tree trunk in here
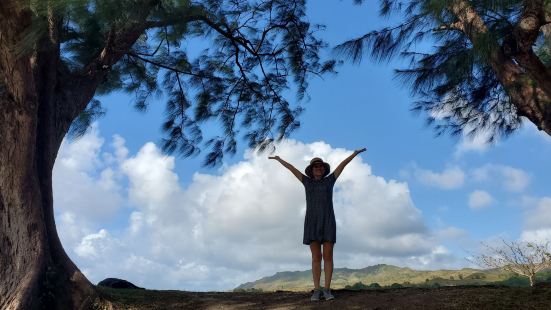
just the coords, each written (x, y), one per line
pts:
(35, 271)
(39, 99)
(532, 278)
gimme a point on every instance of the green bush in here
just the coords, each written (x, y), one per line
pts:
(516, 281)
(396, 285)
(356, 286)
(248, 290)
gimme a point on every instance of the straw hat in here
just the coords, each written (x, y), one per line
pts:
(316, 160)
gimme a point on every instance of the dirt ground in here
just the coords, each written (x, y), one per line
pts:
(464, 297)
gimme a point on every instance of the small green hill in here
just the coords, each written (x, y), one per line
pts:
(383, 275)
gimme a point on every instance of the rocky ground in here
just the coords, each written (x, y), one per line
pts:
(459, 297)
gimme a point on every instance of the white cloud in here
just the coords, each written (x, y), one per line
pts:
(92, 245)
(530, 129)
(153, 182)
(477, 143)
(513, 179)
(537, 220)
(526, 201)
(84, 187)
(225, 229)
(480, 199)
(516, 180)
(450, 178)
(540, 236)
(540, 216)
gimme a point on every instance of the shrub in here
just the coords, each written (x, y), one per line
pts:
(356, 286)
(374, 285)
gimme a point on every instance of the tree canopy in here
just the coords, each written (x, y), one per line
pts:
(250, 52)
(476, 67)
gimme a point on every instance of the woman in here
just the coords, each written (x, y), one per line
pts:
(319, 223)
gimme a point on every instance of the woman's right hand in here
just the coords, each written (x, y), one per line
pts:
(274, 157)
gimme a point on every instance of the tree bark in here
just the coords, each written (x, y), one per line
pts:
(39, 99)
(35, 271)
(523, 76)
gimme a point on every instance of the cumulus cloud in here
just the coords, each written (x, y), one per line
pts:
(229, 227)
(540, 216)
(480, 199)
(513, 179)
(537, 220)
(516, 180)
(450, 178)
(540, 236)
(84, 187)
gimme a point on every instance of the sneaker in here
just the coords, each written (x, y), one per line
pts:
(327, 294)
(316, 296)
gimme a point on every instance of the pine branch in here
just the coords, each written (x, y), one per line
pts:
(453, 26)
(118, 42)
(255, 48)
(193, 13)
(160, 65)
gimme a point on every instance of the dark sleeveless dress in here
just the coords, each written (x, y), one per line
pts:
(319, 222)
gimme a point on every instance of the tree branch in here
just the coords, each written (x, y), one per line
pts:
(196, 13)
(452, 26)
(160, 65)
(528, 27)
(226, 33)
(83, 84)
(520, 45)
(531, 100)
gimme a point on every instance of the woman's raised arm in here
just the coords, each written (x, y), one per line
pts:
(287, 165)
(345, 162)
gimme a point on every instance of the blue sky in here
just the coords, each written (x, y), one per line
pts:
(410, 200)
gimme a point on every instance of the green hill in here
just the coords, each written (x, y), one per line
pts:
(384, 275)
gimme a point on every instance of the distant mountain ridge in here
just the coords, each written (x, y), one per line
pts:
(384, 275)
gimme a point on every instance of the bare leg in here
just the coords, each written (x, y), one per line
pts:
(328, 262)
(315, 248)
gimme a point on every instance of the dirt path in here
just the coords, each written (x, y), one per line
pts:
(487, 297)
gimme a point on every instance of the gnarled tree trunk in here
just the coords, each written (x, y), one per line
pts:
(532, 278)
(35, 271)
(39, 99)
